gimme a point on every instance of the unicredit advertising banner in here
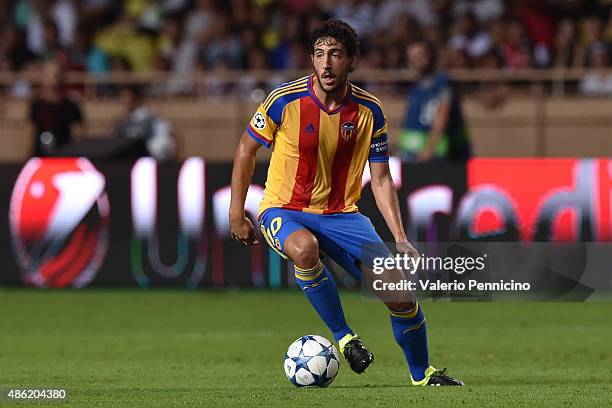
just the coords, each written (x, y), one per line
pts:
(76, 223)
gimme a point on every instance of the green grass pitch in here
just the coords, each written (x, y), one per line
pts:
(140, 348)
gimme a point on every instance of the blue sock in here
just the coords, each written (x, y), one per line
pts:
(411, 335)
(320, 289)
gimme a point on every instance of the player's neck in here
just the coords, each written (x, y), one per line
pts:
(331, 100)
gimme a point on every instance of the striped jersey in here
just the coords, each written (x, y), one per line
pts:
(318, 155)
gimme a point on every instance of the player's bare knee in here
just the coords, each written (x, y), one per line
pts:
(304, 250)
(307, 255)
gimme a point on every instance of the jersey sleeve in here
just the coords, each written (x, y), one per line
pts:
(379, 145)
(261, 127)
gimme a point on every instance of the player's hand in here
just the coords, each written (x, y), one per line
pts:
(425, 155)
(243, 231)
(406, 247)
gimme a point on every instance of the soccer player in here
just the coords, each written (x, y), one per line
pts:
(323, 129)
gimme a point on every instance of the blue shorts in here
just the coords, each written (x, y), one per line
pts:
(341, 236)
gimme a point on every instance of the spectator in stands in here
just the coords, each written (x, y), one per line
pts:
(86, 54)
(565, 44)
(169, 42)
(56, 119)
(221, 43)
(357, 13)
(469, 37)
(483, 10)
(126, 39)
(516, 48)
(30, 16)
(596, 82)
(99, 12)
(184, 35)
(51, 43)
(258, 60)
(139, 123)
(14, 54)
(538, 19)
(281, 52)
(434, 128)
(591, 41)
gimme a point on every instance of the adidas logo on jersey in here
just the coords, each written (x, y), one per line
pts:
(310, 128)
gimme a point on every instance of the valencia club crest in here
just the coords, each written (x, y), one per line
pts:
(348, 130)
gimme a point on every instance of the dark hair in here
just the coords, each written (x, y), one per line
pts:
(338, 30)
(432, 54)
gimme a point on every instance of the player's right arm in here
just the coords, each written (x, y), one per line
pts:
(259, 132)
(438, 124)
(242, 173)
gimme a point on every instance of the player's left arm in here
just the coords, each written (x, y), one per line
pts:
(387, 202)
(382, 183)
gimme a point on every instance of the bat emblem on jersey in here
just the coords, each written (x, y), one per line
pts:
(348, 130)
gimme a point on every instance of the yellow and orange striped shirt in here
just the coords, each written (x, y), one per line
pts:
(318, 155)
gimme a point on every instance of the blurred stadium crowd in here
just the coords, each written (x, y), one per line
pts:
(98, 36)
(234, 43)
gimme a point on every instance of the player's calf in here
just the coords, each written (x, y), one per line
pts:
(410, 331)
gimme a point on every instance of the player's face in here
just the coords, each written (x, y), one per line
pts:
(331, 64)
(418, 58)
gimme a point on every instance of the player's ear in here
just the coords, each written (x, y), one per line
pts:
(354, 61)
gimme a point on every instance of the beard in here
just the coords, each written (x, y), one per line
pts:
(337, 84)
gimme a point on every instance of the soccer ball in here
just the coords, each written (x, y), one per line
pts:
(311, 361)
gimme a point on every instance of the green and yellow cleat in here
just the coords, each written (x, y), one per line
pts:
(437, 378)
(358, 357)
